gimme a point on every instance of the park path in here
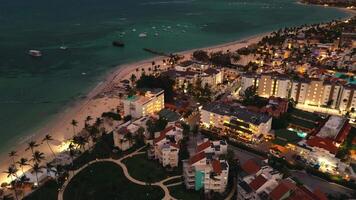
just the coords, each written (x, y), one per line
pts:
(160, 184)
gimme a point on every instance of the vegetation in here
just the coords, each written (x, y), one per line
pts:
(106, 180)
(49, 191)
(158, 82)
(201, 55)
(146, 170)
(180, 192)
(111, 115)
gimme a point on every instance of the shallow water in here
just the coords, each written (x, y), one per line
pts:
(32, 91)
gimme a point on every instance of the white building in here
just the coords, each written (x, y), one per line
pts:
(205, 170)
(124, 136)
(259, 185)
(236, 120)
(166, 147)
(147, 104)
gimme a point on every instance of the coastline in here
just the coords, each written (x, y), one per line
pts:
(59, 126)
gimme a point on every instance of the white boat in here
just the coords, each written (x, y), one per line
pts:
(142, 35)
(63, 48)
(35, 53)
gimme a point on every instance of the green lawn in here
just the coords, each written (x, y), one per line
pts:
(180, 192)
(48, 191)
(105, 180)
(148, 170)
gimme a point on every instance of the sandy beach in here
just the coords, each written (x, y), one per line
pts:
(98, 101)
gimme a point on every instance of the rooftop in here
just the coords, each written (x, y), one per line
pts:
(324, 143)
(237, 111)
(250, 167)
(258, 182)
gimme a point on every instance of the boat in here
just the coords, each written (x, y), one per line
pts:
(63, 48)
(35, 53)
(118, 43)
(142, 35)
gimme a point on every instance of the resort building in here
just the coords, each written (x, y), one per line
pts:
(166, 146)
(329, 93)
(235, 121)
(124, 134)
(259, 185)
(185, 75)
(205, 170)
(148, 103)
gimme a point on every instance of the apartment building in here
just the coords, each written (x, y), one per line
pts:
(166, 146)
(235, 120)
(146, 103)
(183, 76)
(205, 170)
(259, 185)
(330, 93)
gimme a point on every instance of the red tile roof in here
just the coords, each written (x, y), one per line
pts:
(197, 157)
(258, 182)
(216, 166)
(304, 193)
(283, 187)
(163, 133)
(251, 167)
(320, 195)
(203, 146)
(324, 143)
(341, 136)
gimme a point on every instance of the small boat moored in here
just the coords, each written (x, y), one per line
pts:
(35, 53)
(118, 43)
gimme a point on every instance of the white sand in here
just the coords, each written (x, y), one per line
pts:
(60, 128)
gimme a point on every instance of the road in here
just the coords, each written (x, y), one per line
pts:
(315, 182)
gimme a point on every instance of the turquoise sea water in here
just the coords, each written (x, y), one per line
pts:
(32, 91)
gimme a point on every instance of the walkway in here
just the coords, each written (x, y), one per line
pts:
(160, 184)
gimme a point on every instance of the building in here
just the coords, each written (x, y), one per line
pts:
(166, 146)
(205, 170)
(123, 135)
(235, 121)
(259, 185)
(147, 103)
(184, 76)
(331, 93)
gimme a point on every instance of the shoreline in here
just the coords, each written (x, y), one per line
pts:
(59, 125)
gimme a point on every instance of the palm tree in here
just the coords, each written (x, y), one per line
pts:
(133, 79)
(50, 168)
(12, 155)
(74, 123)
(22, 163)
(37, 157)
(31, 145)
(37, 168)
(11, 172)
(80, 141)
(47, 139)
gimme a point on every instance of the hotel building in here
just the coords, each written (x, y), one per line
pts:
(235, 120)
(146, 104)
(166, 146)
(311, 92)
(205, 170)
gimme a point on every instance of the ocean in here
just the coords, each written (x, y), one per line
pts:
(34, 90)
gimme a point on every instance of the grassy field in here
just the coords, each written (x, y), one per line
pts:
(48, 191)
(180, 192)
(148, 170)
(105, 180)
